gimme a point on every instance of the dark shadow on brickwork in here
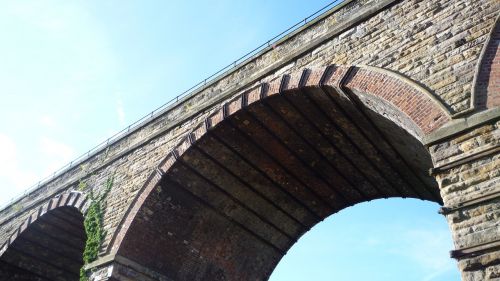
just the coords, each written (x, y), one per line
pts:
(241, 195)
(487, 87)
(49, 248)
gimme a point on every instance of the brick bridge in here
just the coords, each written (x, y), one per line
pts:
(373, 99)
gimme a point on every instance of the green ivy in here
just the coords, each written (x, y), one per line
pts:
(93, 224)
(82, 185)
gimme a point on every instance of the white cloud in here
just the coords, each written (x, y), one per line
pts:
(439, 272)
(372, 242)
(42, 15)
(47, 121)
(432, 249)
(120, 112)
(56, 153)
(58, 46)
(8, 152)
(13, 178)
(429, 249)
(16, 177)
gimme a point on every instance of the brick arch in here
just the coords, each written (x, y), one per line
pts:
(426, 113)
(413, 102)
(59, 231)
(339, 85)
(419, 111)
(486, 91)
(68, 199)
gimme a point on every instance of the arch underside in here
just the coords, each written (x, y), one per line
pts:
(240, 196)
(50, 248)
(487, 84)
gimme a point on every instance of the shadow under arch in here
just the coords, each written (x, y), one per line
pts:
(235, 195)
(49, 244)
(486, 87)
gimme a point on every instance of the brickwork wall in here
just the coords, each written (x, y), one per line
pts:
(436, 43)
(401, 41)
(452, 31)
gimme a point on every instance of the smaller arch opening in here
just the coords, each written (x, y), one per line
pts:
(50, 248)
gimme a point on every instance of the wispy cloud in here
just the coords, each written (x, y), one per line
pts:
(428, 249)
(47, 121)
(8, 152)
(120, 111)
(439, 272)
(40, 14)
(13, 177)
(57, 154)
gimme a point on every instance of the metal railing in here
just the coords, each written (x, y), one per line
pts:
(174, 101)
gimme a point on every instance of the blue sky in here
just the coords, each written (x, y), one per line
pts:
(72, 73)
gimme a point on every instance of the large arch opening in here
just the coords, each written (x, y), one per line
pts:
(386, 239)
(47, 246)
(272, 163)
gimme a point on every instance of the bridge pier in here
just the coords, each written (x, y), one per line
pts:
(467, 168)
(116, 267)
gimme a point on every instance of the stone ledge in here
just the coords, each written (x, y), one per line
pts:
(469, 203)
(461, 125)
(475, 250)
(116, 262)
(490, 150)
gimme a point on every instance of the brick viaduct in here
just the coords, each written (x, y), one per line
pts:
(373, 99)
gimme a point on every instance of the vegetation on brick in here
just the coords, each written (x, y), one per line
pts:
(94, 227)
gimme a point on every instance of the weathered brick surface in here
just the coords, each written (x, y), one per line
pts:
(479, 223)
(401, 40)
(394, 39)
(469, 143)
(217, 218)
(487, 85)
(424, 112)
(436, 44)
